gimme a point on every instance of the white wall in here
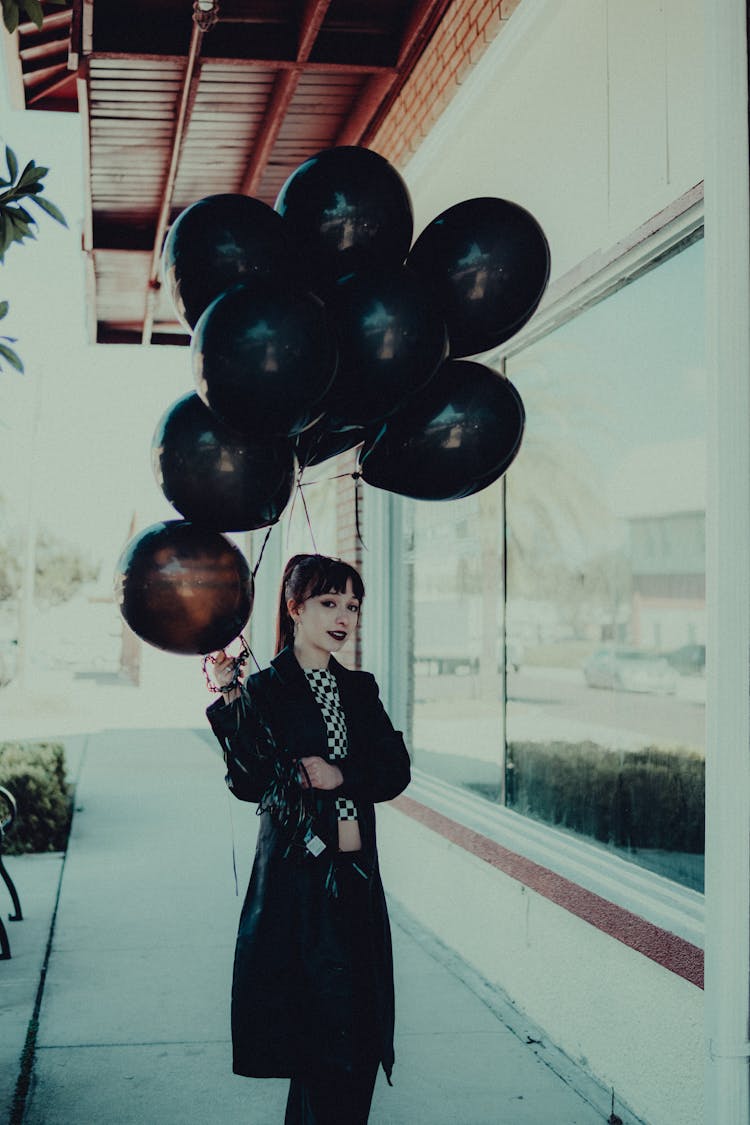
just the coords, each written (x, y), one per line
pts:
(588, 113)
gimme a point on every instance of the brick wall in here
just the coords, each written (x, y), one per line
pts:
(462, 37)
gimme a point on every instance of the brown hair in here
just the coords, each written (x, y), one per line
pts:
(309, 576)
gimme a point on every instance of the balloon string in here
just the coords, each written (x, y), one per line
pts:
(379, 435)
(307, 516)
(260, 556)
(357, 477)
(291, 510)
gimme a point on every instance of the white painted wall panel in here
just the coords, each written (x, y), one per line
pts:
(588, 113)
(630, 1023)
(636, 53)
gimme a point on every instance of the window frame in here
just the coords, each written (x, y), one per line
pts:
(675, 908)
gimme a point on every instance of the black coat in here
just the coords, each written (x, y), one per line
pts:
(292, 992)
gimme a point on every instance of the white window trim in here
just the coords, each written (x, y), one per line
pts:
(658, 900)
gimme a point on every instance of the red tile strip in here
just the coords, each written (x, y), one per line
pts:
(666, 949)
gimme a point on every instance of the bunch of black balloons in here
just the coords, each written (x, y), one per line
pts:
(317, 327)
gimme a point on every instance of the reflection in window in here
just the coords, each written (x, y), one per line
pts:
(605, 511)
(598, 638)
(457, 639)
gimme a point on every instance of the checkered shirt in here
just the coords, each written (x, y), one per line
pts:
(325, 689)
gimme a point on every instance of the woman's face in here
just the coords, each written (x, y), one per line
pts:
(324, 623)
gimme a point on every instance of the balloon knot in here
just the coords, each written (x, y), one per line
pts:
(356, 476)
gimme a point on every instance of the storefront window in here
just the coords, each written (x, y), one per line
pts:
(598, 638)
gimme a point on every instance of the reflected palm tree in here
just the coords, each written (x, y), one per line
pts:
(557, 511)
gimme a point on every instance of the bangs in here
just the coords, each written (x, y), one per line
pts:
(331, 577)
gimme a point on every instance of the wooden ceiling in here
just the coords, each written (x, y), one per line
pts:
(174, 112)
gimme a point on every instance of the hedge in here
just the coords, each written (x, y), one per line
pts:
(648, 798)
(34, 772)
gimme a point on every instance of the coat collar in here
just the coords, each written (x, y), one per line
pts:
(290, 672)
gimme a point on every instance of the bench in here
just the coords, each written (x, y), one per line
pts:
(8, 812)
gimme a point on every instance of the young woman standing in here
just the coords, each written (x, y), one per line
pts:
(310, 742)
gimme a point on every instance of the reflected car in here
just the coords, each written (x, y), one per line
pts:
(629, 669)
(690, 660)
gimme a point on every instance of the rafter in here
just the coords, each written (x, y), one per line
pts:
(310, 25)
(281, 96)
(283, 91)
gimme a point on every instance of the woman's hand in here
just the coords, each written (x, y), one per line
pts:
(321, 773)
(223, 671)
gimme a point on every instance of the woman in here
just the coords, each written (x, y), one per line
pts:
(310, 742)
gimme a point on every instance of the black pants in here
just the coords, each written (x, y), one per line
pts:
(329, 1094)
(332, 1098)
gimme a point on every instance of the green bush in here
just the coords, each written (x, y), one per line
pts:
(648, 798)
(34, 773)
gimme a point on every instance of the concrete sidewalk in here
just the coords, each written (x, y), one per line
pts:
(134, 1018)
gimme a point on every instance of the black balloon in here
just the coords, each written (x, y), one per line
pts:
(319, 442)
(221, 241)
(183, 588)
(347, 209)
(391, 342)
(218, 478)
(262, 361)
(486, 264)
(455, 438)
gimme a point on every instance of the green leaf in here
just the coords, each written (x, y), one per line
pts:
(11, 15)
(34, 11)
(31, 175)
(6, 232)
(50, 208)
(4, 306)
(11, 357)
(16, 216)
(12, 162)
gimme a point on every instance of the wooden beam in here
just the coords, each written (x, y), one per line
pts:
(50, 23)
(83, 109)
(376, 89)
(38, 78)
(251, 64)
(87, 237)
(87, 29)
(283, 92)
(420, 27)
(424, 18)
(44, 50)
(312, 20)
(67, 78)
(75, 46)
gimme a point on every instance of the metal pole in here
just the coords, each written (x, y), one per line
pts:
(727, 195)
(183, 114)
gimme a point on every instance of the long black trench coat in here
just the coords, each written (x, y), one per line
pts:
(292, 989)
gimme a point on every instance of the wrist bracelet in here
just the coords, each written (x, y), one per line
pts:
(209, 658)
